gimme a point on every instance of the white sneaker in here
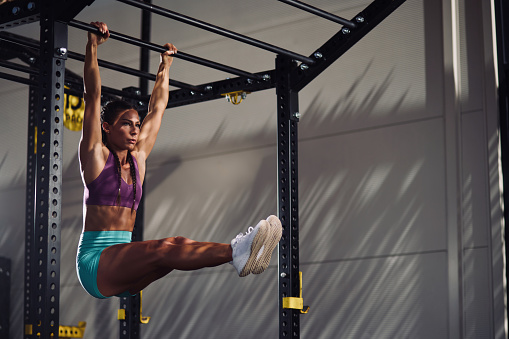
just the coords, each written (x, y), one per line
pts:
(246, 248)
(274, 235)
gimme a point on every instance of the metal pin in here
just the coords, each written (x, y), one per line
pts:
(296, 115)
(304, 67)
(62, 51)
(359, 19)
(345, 30)
(283, 275)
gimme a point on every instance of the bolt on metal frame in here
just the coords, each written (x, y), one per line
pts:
(44, 168)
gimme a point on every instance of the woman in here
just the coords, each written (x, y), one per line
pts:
(113, 151)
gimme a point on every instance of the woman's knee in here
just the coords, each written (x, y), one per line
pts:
(178, 240)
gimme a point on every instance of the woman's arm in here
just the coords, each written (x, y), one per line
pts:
(91, 134)
(157, 104)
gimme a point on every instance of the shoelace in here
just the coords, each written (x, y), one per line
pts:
(241, 235)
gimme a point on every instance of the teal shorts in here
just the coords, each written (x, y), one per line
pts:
(91, 245)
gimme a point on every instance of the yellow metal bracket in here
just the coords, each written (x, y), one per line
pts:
(143, 320)
(296, 303)
(64, 332)
(235, 97)
(72, 331)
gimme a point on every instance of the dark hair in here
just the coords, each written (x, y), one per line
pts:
(109, 114)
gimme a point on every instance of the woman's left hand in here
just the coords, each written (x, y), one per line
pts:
(167, 57)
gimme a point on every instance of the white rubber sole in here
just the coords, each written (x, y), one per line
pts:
(264, 253)
(256, 246)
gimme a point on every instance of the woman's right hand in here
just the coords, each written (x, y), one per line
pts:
(97, 39)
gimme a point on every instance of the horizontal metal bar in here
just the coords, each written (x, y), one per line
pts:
(218, 30)
(20, 12)
(72, 82)
(21, 80)
(216, 89)
(319, 12)
(161, 49)
(18, 67)
(26, 42)
(132, 71)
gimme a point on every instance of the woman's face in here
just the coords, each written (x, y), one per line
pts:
(124, 132)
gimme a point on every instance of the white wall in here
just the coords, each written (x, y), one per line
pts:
(398, 176)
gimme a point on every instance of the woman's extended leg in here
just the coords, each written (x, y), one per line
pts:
(133, 266)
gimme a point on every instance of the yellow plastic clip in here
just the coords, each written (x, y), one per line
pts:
(143, 320)
(235, 97)
(72, 331)
(296, 303)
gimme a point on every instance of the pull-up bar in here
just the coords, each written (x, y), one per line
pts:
(132, 71)
(160, 49)
(80, 57)
(218, 30)
(319, 12)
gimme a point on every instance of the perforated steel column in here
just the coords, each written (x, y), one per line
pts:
(287, 121)
(29, 294)
(130, 326)
(46, 268)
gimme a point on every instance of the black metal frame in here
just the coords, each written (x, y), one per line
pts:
(43, 212)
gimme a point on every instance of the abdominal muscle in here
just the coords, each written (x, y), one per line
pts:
(108, 218)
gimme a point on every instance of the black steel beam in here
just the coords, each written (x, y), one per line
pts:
(161, 49)
(215, 29)
(146, 30)
(336, 46)
(288, 195)
(319, 12)
(20, 12)
(29, 310)
(18, 79)
(213, 90)
(18, 67)
(48, 192)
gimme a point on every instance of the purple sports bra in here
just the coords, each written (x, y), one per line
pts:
(104, 189)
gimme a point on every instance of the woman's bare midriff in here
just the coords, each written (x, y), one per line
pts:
(109, 218)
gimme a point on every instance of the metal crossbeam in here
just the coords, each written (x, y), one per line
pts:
(213, 90)
(13, 14)
(20, 12)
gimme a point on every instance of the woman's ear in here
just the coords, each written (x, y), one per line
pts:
(106, 127)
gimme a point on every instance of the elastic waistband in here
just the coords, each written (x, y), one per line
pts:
(97, 239)
(89, 235)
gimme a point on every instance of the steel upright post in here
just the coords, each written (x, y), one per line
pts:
(288, 251)
(45, 272)
(130, 325)
(29, 294)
